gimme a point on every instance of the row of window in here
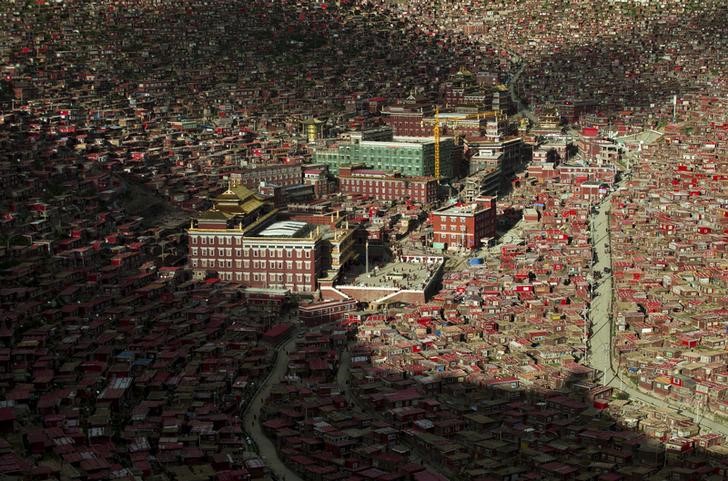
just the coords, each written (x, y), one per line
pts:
(388, 183)
(228, 251)
(215, 239)
(288, 251)
(246, 277)
(442, 236)
(245, 264)
(279, 265)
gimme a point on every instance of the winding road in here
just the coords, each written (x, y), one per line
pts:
(601, 348)
(251, 419)
(512, 90)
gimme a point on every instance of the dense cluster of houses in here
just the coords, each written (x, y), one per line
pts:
(120, 120)
(668, 229)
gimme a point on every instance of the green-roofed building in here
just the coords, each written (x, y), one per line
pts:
(410, 156)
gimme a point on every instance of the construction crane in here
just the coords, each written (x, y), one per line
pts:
(436, 134)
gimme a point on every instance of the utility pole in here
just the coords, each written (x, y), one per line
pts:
(366, 254)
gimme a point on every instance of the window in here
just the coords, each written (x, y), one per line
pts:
(238, 276)
(246, 276)
(238, 252)
(194, 251)
(238, 240)
(228, 263)
(194, 262)
(255, 252)
(289, 278)
(228, 252)
(204, 239)
(246, 252)
(220, 263)
(193, 239)
(238, 264)
(220, 251)
(256, 264)
(289, 252)
(263, 264)
(246, 264)
(204, 262)
(204, 251)
(255, 277)
(308, 253)
(299, 265)
(299, 278)
(289, 265)
(308, 265)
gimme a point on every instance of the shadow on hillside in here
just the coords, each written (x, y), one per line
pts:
(366, 50)
(636, 68)
(428, 417)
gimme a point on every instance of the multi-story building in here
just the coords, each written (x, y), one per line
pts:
(278, 174)
(355, 180)
(575, 174)
(461, 85)
(464, 225)
(504, 154)
(483, 182)
(572, 110)
(501, 101)
(406, 118)
(242, 240)
(458, 124)
(317, 176)
(413, 156)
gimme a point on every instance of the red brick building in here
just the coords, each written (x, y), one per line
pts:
(406, 118)
(327, 311)
(241, 240)
(576, 174)
(464, 225)
(383, 185)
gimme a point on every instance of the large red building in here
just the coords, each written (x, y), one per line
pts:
(406, 118)
(242, 240)
(354, 180)
(464, 225)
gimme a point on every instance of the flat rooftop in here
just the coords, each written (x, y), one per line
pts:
(286, 228)
(465, 209)
(401, 275)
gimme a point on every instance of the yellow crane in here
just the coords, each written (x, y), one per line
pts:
(436, 129)
(436, 134)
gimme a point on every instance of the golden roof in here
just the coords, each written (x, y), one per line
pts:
(237, 200)
(464, 72)
(213, 214)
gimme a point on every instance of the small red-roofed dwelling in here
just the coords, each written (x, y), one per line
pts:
(7, 420)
